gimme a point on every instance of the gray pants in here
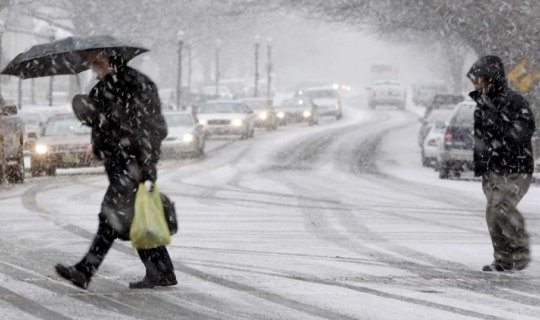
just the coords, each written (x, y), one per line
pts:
(506, 224)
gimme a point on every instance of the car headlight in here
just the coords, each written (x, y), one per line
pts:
(188, 137)
(237, 122)
(263, 115)
(204, 122)
(307, 114)
(41, 149)
(281, 115)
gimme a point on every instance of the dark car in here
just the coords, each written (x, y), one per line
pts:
(458, 147)
(298, 109)
(64, 143)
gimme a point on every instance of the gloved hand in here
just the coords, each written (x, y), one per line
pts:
(149, 185)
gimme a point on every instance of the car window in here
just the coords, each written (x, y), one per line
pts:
(464, 115)
(179, 120)
(64, 127)
(222, 108)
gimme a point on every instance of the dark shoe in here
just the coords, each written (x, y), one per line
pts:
(497, 266)
(71, 273)
(145, 283)
(149, 283)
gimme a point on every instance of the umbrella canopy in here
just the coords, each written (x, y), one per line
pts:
(67, 56)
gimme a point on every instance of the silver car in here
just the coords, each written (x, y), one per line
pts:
(327, 100)
(185, 138)
(227, 117)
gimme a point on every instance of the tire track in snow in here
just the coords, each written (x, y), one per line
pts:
(30, 202)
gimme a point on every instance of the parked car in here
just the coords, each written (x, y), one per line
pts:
(265, 113)
(436, 118)
(432, 142)
(298, 109)
(11, 145)
(64, 143)
(387, 93)
(185, 136)
(33, 124)
(457, 150)
(227, 117)
(424, 93)
(327, 100)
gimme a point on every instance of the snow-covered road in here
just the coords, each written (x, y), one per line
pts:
(336, 221)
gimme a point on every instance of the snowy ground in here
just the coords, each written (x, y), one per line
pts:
(336, 221)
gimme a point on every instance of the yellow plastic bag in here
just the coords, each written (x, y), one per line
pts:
(149, 228)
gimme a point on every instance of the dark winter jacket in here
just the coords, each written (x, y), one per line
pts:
(127, 137)
(503, 123)
(131, 127)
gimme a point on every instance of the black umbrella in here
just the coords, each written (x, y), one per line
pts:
(67, 56)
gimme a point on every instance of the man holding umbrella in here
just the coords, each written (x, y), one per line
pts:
(124, 112)
(126, 135)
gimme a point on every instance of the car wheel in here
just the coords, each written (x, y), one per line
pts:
(35, 172)
(425, 162)
(15, 174)
(444, 171)
(51, 171)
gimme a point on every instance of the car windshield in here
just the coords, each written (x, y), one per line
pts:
(439, 115)
(65, 127)
(465, 115)
(319, 94)
(179, 120)
(224, 107)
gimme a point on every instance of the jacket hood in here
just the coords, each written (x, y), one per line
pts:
(492, 68)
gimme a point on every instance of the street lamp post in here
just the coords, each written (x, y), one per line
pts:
(189, 73)
(269, 71)
(218, 47)
(2, 30)
(180, 38)
(257, 46)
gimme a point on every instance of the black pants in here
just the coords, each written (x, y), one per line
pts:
(157, 261)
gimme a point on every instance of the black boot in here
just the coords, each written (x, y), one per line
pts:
(159, 269)
(76, 276)
(498, 266)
